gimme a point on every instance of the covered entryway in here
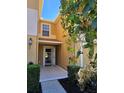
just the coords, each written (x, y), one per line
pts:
(52, 73)
(49, 52)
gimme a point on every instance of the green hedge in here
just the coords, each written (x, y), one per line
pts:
(72, 71)
(33, 74)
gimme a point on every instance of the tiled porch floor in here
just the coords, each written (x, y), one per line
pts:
(52, 73)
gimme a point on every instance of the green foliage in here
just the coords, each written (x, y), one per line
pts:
(72, 71)
(80, 17)
(94, 63)
(78, 53)
(86, 75)
(33, 73)
(91, 51)
(71, 49)
(91, 83)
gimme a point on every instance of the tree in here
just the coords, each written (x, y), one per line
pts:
(79, 19)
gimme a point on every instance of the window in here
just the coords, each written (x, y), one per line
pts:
(45, 30)
(48, 50)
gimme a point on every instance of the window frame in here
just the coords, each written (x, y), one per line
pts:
(48, 30)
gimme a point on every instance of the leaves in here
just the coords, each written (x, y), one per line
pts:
(71, 49)
(80, 17)
(94, 23)
(91, 51)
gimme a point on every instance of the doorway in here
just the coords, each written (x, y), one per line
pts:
(49, 56)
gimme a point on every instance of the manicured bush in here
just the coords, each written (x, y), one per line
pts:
(91, 84)
(72, 71)
(33, 74)
(87, 77)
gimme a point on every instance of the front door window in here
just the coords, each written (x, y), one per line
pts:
(47, 57)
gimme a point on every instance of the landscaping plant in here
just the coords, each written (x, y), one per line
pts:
(85, 75)
(72, 71)
(79, 19)
(33, 74)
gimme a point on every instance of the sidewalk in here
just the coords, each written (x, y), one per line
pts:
(52, 86)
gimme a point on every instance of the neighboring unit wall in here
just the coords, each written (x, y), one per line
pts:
(32, 15)
(31, 50)
(32, 4)
(86, 55)
(34, 9)
(35, 4)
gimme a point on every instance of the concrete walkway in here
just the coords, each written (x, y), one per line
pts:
(48, 79)
(52, 73)
(52, 86)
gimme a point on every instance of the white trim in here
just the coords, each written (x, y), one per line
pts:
(51, 21)
(53, 56)
(52, 42)
(43, 56)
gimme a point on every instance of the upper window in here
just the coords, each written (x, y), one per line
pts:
(45, 30)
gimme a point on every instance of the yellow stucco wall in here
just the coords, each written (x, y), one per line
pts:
(33, 4)
(40, 54)
(56, 32)
(63, 58)
(31, 50)
(52, 29)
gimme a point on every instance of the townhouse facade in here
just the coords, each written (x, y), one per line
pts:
(45, 42)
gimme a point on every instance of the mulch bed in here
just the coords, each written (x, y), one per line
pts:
(40, 88)
(73, 88)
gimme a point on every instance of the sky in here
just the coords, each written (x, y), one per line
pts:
(50, 9)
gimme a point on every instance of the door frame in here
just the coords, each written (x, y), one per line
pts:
(49, 47)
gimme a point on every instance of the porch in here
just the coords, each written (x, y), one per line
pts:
(52, 73)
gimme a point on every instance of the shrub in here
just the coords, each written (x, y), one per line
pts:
(87, 76)
(92, 83)
(33, 73)
(72, 71)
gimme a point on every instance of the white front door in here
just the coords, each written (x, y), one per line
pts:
(49, 55)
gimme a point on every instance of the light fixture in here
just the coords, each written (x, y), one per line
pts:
(30, 41)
